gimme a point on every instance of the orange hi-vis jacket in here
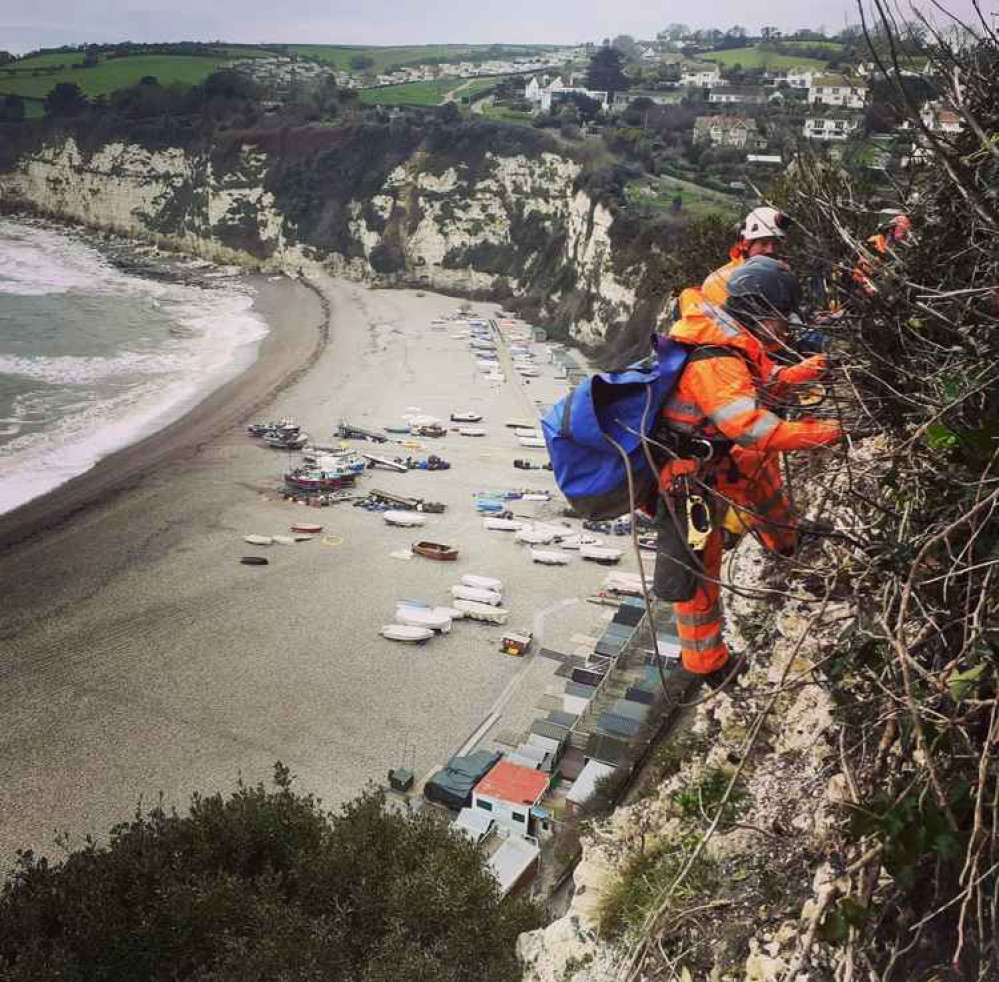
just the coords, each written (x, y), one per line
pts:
(722, 398)
(715, 288)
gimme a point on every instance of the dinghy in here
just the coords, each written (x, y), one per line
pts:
(528, 372)
(254, 561)
(307, 527)
(466, 417)
(525, 431)
(474, 611)
(600, 554)
(462, 592)
(502, 524)
(482, 582)
(533, 442)
(284, 540)
(536, 536)
(258, 540)
(302, 537)
(520, 424)
(577, 541)
(471, 431)
(404, 519)
(406, 633)
(549, 557)
(436, 550)
(423, 617)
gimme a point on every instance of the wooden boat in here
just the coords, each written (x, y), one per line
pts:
(431, 430)
(404, 519)
(406, 633)
(475, 611)
(604, 555)
(427, 617)
(436, 550)
(254, 561)
(462, 592)
(466, 417)
(471, 431)
(549, 557)
(502, 524)
(258, 540)
(306, 527)
(482, 582)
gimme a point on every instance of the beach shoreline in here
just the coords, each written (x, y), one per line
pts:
(295, 339)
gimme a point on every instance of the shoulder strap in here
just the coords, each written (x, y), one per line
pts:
(703, 352)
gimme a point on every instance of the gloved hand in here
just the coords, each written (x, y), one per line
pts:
(809, 370)
(823, 434)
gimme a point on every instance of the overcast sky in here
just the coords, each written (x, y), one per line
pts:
(29, 24)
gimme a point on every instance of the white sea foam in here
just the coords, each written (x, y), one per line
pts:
(88, 407)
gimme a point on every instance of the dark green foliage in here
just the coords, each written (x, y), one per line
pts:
(65, 100)
(604, 73)
(387, 257)
(261, 886)
(11, 109)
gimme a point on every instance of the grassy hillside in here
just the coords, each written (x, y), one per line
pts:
(385, 57)
(754, 57)
(35, 77)
(425, 93)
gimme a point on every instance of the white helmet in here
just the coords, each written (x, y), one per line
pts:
(765, 223)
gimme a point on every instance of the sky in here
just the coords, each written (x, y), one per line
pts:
(29, 24)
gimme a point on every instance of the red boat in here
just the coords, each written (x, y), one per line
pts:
(303, 479)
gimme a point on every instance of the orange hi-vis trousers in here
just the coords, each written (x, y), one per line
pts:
(699, 620)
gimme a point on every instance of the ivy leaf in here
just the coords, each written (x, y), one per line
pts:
(963, 682)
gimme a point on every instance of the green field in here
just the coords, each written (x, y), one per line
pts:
(502, 114)
(385, 57)
(658, 193)
(410, 94)
(753, 57)
(115, 73)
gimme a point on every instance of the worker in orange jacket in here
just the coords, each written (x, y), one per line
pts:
(880, 245)
(720, 403)
(760, 235)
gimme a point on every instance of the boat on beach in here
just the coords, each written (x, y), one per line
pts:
(531, 442)
(466, 417)
(305, 528)
(471, 431)
(536, 536)
(475, 611)
(605, 555)
(258, 540)
(289, 441)
(462, 592)
(404, 519)
(407, 633)
(436, 550)
(502, 524)
(549, 557)
(429, 617)
(482, 582)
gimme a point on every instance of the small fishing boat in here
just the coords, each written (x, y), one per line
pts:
(396, 429)
(549, 557)
(502, 524)
(430, 429)
(462, 592)
(475, 611)
(604, 555)
(426, 617)
(404, 519)
(471, 431)
(519, 424)
(536, 536)
(254, 561)
(482, 582)
(527, 371)
(392, 465)
(577, 541)
(301, 537)
(525, 431)
(284, 425)
(406, 633)
(466, 417)
(436, 550)
(532, 442)
(308, 528)
(281, 441)
(258, 540)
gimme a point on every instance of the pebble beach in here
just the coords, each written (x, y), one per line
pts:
(142, 662)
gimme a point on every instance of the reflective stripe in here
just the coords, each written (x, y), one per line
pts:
(744, 404)
(723, 320)
(697, 620)
(763, 427)
(712, 642)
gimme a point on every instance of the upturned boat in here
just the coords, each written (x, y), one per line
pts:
(407, 633)
(502, 524)
(475, 611)
(436, 550)
(404, 519)
(466, 417)
(482, 582)
(549, 557)
(462, 592)
(600, 554)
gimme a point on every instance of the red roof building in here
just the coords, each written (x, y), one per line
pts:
(508, 792)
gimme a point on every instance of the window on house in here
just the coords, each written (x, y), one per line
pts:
(518, 816)
(486, 806)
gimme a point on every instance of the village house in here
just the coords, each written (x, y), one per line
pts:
(800, 78)
(748, 95)
(622, 100)
(837, 90)
(830, 127)
(701, 76)
(939, 119)
(728, 131)
(509, 793)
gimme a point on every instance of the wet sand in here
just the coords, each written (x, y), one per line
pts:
(139, 658)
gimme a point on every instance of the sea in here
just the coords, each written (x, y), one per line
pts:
(94, 357)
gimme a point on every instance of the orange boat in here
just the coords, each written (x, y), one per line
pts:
(436, 550)
(306, 527)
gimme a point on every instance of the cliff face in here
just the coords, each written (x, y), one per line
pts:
(462, 220)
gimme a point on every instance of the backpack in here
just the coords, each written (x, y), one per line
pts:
(624, 406)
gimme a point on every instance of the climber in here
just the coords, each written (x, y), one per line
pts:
(759, 235)
(897, 230)
(726, 444)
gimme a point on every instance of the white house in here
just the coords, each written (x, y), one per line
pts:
(553, 95)
(830, 127)
(799, 78)
(508, 793)
(939, 119)
(738, 94)
(837, 90)
(701, 76)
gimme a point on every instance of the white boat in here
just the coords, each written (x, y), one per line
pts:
(423, 617)
(600, 554)
(474, 611)
(482, 582)
(519, 424)
(502, 524)
(284, 540)
(303, 537)
(528, 372)
(452, 612)
(549, 557)
(392, 465)
(576, 541)
(531, 442)
(471, 431)
(258, 540)
(462, 592)
(404, 519)
(466, 417)
(406, 632)
(536, 536)
(525, 431)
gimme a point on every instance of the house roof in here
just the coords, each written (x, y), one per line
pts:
(513, 783)
(838, 81)
(726, 122)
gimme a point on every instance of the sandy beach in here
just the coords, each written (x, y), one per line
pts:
(140, 659)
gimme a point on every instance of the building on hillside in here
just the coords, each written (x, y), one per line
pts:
(765, 159)
(701, 76)
(830, 128)
(746, 95)
(800, 78)
(560, 95)
(510, 793)
(539, 86)
(837, 90)
(728, 131)
(622, 100)
(939, 119)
